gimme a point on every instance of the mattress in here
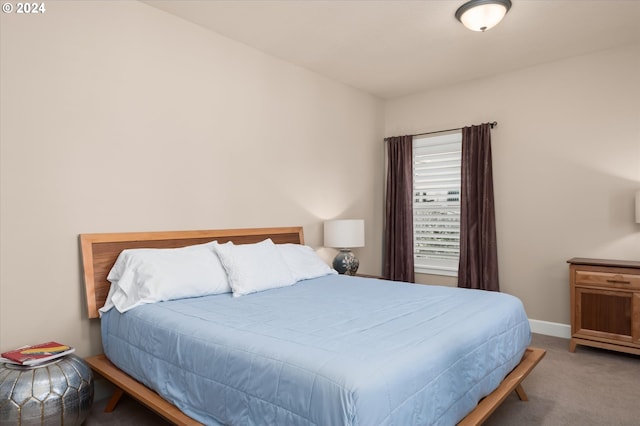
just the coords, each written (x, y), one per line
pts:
(334, 350)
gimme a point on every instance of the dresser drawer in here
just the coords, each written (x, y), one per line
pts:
(608, 279)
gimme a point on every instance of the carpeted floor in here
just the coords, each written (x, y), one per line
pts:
(590, 387)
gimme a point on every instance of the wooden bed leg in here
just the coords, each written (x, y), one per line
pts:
(113, 401)
(521, 393)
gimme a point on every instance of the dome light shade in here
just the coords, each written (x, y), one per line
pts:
(481, 15)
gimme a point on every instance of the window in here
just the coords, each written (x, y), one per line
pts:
(436, 203)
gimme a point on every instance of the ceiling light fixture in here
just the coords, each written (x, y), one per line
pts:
(481, 15)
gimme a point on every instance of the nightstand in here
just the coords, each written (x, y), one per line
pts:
(55, 392)
(370, 276)
(605, 304)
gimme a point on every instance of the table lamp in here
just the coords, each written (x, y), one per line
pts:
(344, 234)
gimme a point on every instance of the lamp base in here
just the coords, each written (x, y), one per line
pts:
(346, 262)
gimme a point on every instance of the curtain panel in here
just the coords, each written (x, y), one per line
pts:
(398, 262)
(478, 267)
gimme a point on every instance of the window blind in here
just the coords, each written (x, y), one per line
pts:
(436, 203)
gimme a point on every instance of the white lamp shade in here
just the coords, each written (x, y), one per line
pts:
(638, 207)
(346, 233)
(481, 15)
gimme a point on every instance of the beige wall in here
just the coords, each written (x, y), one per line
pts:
(119, 117)
(566, 159)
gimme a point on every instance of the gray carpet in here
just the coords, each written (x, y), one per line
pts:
(589, 387)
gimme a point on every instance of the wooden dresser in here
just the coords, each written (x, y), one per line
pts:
(605, 304)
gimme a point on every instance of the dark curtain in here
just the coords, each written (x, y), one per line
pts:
(398, 233)
(478, 266)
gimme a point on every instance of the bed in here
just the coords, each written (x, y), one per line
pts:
(327, 350)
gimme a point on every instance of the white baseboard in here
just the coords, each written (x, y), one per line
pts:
(550, 328)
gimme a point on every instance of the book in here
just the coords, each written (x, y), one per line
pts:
(36, 354)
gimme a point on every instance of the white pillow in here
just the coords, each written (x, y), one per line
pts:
(254, 267)
(142, 276)
(303, 262)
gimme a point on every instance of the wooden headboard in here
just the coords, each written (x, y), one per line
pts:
(100, 251)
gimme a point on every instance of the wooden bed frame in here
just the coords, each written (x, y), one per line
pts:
(99, 253)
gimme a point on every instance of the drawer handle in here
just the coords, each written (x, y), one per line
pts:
(618, 282)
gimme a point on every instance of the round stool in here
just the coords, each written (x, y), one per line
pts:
(58, 392)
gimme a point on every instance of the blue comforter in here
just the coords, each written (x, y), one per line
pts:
(334, 350)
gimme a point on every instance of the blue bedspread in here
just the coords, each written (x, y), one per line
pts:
(335, 350)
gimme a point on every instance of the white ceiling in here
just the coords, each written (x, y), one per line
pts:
(393, 48)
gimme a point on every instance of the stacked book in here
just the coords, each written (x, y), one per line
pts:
(36, 354)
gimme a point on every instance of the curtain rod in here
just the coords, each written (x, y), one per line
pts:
(494, 124)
